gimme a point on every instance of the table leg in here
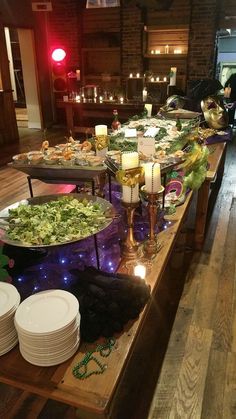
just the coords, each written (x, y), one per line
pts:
(96, 250)
(30, 186)
(70, 119)
(110, 185)
(201, 214)
(101, 184)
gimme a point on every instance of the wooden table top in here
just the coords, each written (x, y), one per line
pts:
(214, 158)
(95, 393)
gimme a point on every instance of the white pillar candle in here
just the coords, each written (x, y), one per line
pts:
(152, 174)
(111, 98)
(173, 72)
(100, 130)
(130, 194)
(131, 75)
(164, 79)
(130, 161)
(157, 51)
(152, 79)
(152, 51)
(121, 100)
(144, 94)
(158, 79)
(137, 75)
(140, 270)
(148, 106)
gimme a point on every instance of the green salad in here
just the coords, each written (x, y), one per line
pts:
(59, 221)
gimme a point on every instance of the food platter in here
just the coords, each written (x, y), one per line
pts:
(105, 206)
(72, 173)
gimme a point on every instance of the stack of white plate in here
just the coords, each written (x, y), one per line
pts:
(9, 301)
(48, 327)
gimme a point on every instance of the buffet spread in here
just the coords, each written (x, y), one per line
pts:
(154, 163)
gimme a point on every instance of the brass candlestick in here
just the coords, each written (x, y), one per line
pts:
(152, 245)
(129, 248)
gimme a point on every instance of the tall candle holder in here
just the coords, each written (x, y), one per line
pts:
(129, 247)
(152, 246)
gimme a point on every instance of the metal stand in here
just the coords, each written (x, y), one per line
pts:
(129, 248)
(55, 181)
(152, 246)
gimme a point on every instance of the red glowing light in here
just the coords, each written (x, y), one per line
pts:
(58, 54)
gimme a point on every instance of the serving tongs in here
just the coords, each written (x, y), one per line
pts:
(4, 223)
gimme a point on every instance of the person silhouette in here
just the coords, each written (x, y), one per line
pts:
(231, 82)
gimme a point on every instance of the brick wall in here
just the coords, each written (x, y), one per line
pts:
(203, 26)
(131, 40)
(64, 29)
(202, 17)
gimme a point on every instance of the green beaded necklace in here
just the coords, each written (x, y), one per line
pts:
(80, 370)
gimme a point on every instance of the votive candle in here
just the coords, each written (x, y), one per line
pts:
(140, 270)
(177, 51)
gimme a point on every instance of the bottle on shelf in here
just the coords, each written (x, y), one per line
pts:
(115, 123)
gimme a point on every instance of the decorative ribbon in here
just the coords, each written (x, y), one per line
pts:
(101, 141)
(130, 177)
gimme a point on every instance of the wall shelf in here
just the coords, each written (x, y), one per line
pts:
(169, 38)
(167, 56)
(102, 49)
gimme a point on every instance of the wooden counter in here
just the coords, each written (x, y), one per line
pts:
(82, 117)
(102, 396)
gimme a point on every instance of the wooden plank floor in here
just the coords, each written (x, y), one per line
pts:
(198, 377)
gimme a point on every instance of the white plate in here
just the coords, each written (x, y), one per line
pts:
(8, 347)
(47, 363)
(9, 297)
(48, 342)
(47, 311)
(49, 337)
(50, 351)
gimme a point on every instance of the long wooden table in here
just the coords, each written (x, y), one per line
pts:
(213, 179)
(102, 396)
